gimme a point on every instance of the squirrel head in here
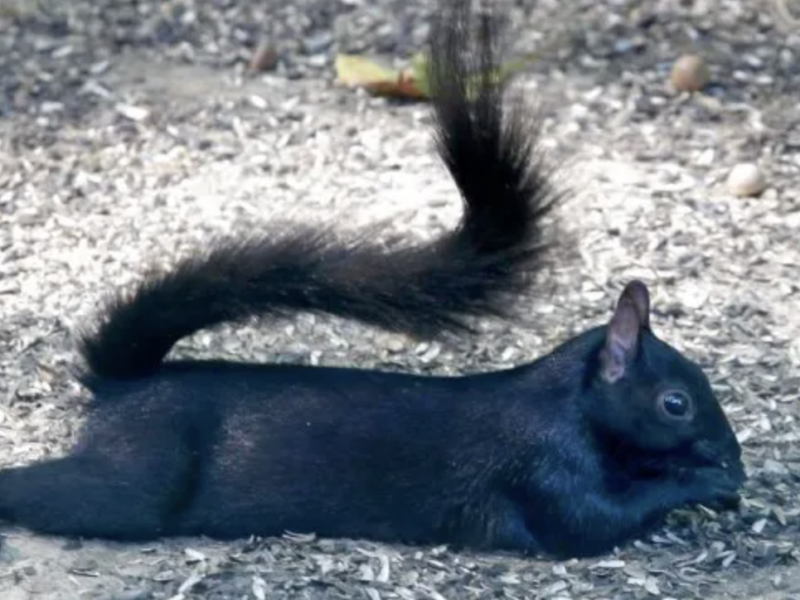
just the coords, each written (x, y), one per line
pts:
(653, 401)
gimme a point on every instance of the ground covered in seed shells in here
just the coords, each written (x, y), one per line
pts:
(130, 132)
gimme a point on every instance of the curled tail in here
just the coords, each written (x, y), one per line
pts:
(423, 289)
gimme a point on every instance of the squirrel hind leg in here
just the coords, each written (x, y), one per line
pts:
(92, 495)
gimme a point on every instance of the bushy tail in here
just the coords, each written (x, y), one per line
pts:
(422, 290)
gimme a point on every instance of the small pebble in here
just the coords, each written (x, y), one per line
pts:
(392, 342)
(134, 113)
(758, 526)
(746, 179)
(689, 74)
(316, 44)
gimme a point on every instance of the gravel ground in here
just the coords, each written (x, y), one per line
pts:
(130, 133)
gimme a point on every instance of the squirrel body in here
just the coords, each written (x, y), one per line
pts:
(579, 451)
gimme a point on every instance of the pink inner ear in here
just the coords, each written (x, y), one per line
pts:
(636, 291)
(622, 340)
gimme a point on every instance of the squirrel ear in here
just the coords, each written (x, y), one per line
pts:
(622, 337)
(637, 292)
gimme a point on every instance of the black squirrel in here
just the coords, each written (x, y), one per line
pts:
(586, 448)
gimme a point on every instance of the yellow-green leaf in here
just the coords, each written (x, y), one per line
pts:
(357, 71)
(419, 70)
(411, 83)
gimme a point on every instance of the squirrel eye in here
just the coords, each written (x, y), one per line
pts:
(676, 404)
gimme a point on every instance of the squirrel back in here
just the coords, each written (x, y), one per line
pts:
(586, 448)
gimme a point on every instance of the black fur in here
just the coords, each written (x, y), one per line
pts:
(477, 270)
(570, 455)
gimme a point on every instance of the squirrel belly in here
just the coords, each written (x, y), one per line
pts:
(570, 455)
